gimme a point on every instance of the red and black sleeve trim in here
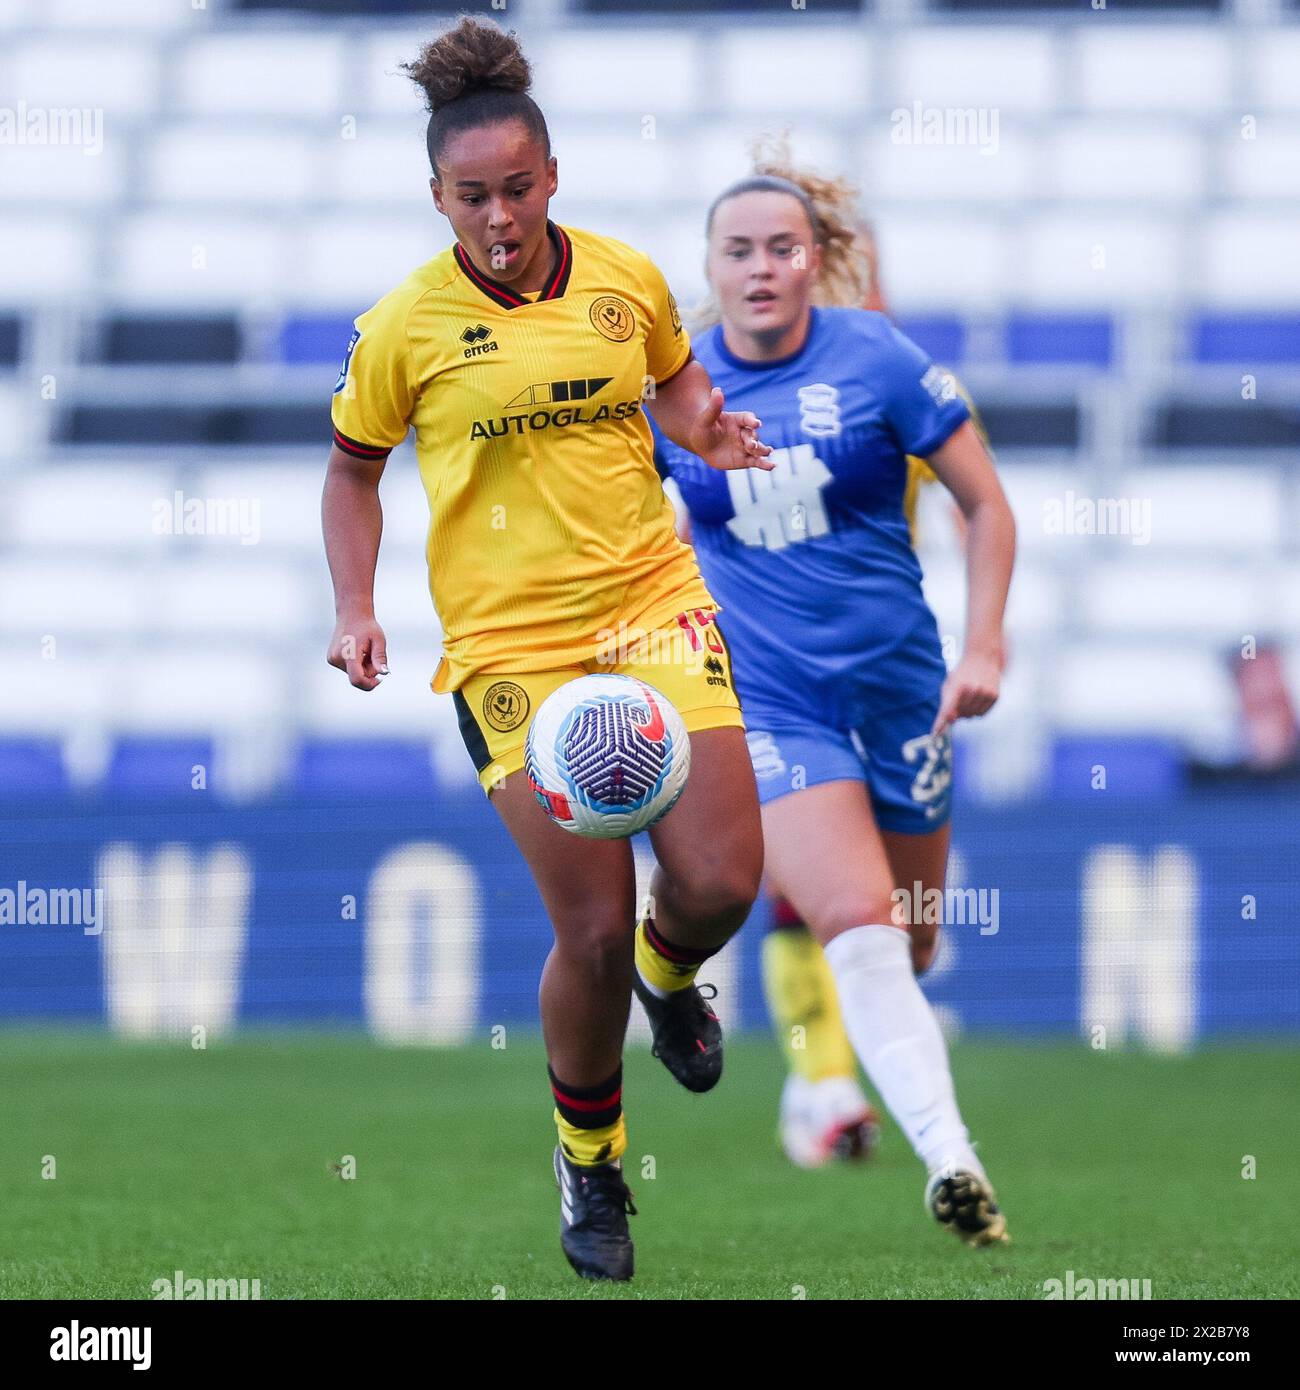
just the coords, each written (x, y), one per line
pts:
(357, 449)
(690, 357)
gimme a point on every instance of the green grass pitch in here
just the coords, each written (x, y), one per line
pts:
(222, 1164)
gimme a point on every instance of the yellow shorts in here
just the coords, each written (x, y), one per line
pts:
(689, 662)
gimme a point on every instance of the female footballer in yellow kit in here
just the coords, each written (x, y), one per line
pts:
(522, 357)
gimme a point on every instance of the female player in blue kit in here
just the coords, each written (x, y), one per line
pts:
(846, 696)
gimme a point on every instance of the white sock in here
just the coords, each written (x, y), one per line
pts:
(896, 1036)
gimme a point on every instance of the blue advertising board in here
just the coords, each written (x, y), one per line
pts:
(1162, 922)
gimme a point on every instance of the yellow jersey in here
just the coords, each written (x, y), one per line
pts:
(549, 530)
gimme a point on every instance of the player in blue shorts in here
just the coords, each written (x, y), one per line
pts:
(847, 699)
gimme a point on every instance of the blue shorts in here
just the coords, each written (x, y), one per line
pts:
(908, 773)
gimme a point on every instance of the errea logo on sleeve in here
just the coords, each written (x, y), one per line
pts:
(347, 361)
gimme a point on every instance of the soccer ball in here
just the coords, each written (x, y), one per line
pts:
(607, 756)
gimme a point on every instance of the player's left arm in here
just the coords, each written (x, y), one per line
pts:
(963, 465)
(685, 404)
(688, 409)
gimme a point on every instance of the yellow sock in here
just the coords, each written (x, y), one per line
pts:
(657, 970)
(588, 1147)
(804, 1006)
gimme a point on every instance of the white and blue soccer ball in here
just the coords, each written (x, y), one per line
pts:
(607, 756)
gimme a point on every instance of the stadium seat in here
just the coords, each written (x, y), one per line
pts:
(1247, 260)
(1265, 166)
(351, 261)
(1031, 423)
(1274, 60)
(31, 768)
(1005, 68)
(170, 339)
(977, 162)
(943, 336)
(140, 16)
(1135, 766)
(309, 337)
(930, 265)
(287, 497)
(61, 595)
(662, 82)
(81, 507)
(616, 162)
(372, 72)
(1242, 511)
(1148, 68)
(1184, 691)
(1096, 259)
(1241, 339)
(1077, 339)
(43, 258)
(205, 688)
(294, 73)
(117, 74)
(11, 340)
(1107, 160)
(225, 165)
(383, 163)
(720, 155)
(1226, 423)
(68, 174)
(1159, 594)
(150, 766)
(387, 769)
(73, 692)
(189, 258)
(241, 593)
(801, 73)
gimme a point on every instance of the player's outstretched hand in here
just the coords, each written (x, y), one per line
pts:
(360, 648)
(970, 690)
(725, 439)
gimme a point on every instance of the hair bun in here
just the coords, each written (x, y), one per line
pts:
(474, 56)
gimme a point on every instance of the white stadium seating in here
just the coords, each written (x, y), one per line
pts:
(662, 79)
(188, 258)
(295, 74)
(263, 166)
(218, 163)
(123, 79)
(1109, 160)
(1009, 67)
(1152, 68)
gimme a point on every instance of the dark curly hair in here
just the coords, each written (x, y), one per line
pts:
(474, 75)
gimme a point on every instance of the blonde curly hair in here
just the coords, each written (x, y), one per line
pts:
(848, 275)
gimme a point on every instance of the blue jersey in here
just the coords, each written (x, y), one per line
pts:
(813, 563)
